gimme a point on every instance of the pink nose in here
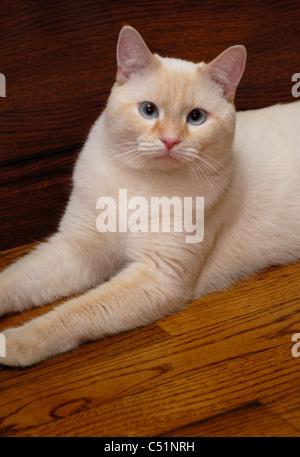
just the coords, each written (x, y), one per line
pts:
(170, 141)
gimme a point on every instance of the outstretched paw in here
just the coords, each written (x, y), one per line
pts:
(21, 350)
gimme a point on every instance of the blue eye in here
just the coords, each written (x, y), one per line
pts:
(196, 117)
(148, 110)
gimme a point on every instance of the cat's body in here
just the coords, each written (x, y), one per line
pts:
(251, 190)
(262, 215)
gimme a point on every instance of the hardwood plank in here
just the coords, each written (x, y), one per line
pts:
(217, 356)
(150, 411)
(269, 299)
(286, 404)
(252, 420)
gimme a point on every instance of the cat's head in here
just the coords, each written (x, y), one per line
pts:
(166, 113)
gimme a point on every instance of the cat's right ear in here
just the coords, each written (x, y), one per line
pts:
(133, 55)
(227, 69)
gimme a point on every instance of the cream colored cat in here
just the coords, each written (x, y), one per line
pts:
(168, 130)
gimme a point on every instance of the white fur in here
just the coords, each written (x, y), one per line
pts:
(262, 210)
(252, 217)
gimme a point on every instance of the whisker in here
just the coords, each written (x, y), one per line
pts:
(125, 143)
(218, 163)
(213, 168)
(198, 167)
(133, 157)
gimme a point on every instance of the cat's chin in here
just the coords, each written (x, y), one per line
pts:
(167, 159)
(167, 162)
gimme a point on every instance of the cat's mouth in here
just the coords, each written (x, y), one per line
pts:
(162, 157)
(168, 156)
(173, 158)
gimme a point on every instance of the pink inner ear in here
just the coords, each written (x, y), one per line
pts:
(122, 74)
(228, 68)
(132, 53)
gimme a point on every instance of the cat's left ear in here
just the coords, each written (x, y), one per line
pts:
(227, 69)
(133, 55)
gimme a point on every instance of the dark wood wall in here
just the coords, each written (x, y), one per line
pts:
(59, 62)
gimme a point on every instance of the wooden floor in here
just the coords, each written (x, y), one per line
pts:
(221, 367)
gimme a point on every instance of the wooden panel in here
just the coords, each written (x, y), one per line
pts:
(33, 195)
(59, 58)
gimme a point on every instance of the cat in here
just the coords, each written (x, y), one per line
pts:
(169, 129)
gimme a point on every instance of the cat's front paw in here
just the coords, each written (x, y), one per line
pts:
(21, 350)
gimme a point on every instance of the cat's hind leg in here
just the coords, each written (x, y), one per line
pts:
(57, 268)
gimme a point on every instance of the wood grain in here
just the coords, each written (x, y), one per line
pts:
(221, 367)
(33, 196)
(59, 59)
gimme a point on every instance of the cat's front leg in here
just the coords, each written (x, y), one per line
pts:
(63, 265)
(137, 296)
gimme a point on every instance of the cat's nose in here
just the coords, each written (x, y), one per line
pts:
(170, 141)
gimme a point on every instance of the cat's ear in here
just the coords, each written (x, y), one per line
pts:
(133, 55)
(227, 69)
